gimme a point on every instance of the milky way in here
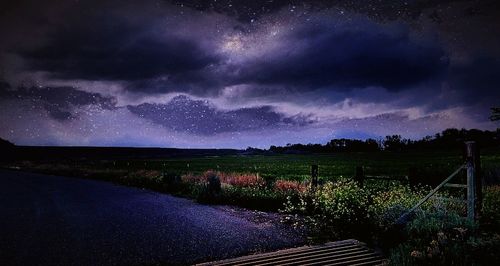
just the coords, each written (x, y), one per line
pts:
(244, 73)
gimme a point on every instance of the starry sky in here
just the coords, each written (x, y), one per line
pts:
(233, 73)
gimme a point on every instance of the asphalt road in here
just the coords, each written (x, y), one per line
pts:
(52, 220)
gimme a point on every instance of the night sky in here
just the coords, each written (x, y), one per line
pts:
(236, 73)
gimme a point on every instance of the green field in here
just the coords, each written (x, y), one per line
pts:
(297, 167)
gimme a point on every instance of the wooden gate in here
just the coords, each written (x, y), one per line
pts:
(473, 186)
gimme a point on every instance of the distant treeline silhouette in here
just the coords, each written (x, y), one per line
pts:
(448, 139)
(5, 144)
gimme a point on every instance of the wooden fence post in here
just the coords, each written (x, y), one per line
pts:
(474, 184)
(314, 175)
(359, 177)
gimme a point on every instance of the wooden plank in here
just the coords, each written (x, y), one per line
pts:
(322, 257)
(348, 260)
(456, 185)
(452, 199)
(375, 262)
(308, 255)
(335, 258)
(346, 252)
(338, 246)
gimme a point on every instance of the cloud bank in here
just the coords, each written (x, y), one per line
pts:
(205, 75)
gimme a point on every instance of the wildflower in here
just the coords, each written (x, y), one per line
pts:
(416, 254)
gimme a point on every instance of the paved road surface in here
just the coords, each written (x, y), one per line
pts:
(51, 220)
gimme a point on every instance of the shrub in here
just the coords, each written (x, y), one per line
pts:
(242, 189)
(191, 178)
(404, 254)
(143, 178)
(344, 201)
(484, 249)
(241, 179)
(269, 180)
(491, 206)
(334, 210)
(253, 197)
(389, 205)
(208, 189)
(233, 179)
(213, 183)
(435, 239)
(287, 186)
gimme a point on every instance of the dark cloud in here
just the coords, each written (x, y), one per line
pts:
(113, 49)
(378, 126)
(4, 86)
(200, 117)
(425, 65)
(473, 85)
(59, 102)
(361, 55)
(476, 80)
(151, 58)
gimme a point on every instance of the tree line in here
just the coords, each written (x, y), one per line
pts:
(451, 138)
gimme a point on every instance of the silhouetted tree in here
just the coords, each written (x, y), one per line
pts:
(6, 149)
(495, 114)
(394, 143)
(5, 143)
(451, 138)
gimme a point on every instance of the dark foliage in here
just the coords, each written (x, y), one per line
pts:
(6, 150)
(6, 143)
(495, 114)
(448, 139)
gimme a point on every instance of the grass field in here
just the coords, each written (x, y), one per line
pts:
(297, 167)
(432, 166)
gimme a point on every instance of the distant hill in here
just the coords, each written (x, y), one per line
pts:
(114, 153)
(10, 151)
(6, 143)
(7, 150)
